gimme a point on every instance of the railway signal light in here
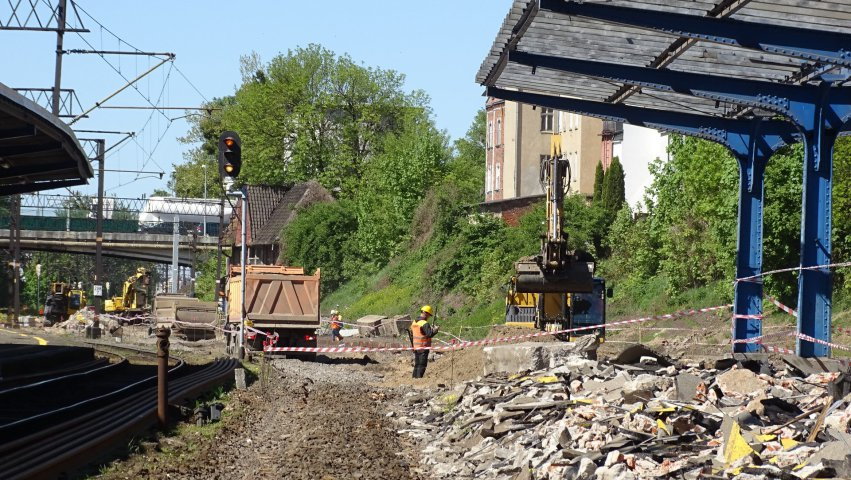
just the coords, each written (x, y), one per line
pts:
(230, 154)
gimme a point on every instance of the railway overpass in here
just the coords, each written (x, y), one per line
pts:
(153, 247)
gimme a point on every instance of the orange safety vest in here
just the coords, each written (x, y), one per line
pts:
(334, 324)
(420, 340)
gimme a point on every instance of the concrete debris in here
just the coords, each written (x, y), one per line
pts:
(648, 418)
(523, 357)
(368, 325)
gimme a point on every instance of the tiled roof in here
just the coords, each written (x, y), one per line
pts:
(299, 196)
(272, 208)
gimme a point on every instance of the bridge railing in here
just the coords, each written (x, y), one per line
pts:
(71, 224)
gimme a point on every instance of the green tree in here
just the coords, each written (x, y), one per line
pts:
(321, 236)
(614, 191)
(393, 185)
(311, 114)
(599, 179)
(188, 179)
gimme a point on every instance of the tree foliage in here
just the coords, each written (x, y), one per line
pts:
(613, 195)
(599, 179)
(322, 236)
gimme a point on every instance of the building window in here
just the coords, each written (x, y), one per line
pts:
(490, 135)
(498, 180)
(557, 122)
(546, 119)
(498, 132)
(488, 184)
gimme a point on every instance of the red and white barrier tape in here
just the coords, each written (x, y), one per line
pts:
(822, 342)
(776, 303)
(760, 338)
(792, 269)
(773, 349)
(491, 341)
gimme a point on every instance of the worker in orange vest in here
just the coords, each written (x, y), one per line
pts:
(336, 326)
(421, 333)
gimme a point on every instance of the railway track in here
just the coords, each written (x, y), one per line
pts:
(63, 422)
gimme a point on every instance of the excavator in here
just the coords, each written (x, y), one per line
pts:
(62, 302)
(556, 290)
(134, 296)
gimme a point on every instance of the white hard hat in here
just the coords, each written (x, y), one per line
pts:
(334, 312)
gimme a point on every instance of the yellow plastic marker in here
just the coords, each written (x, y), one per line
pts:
(737, 447)
(662, 426)
(788, 443)
(547, 379)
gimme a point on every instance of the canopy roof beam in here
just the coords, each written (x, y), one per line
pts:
(806, 44)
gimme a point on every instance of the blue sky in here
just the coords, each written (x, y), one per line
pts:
(438, 44)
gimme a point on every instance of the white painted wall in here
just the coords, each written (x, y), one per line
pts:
(640, 146)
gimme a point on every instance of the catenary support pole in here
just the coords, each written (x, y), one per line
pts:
(57, 74)
(243, 213)
(175, 245)
(101, 144)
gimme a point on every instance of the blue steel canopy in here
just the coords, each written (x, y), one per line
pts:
(537, 27)
(722, 70)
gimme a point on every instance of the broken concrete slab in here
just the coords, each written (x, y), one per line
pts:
(740, 381)
(632, 354)
(369, 325)
(530, 356)
(398, 325)
(687, 384)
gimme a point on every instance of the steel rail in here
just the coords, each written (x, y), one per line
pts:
(69, 444)
(99, 368)
(88, 401)
(38, 376)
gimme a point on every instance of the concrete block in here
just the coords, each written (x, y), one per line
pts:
(239, 378)
(516, 358)
(530, 356)
(403, 324)
(368, 325)
(687, 386)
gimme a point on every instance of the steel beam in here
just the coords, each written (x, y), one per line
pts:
(734, 134)
(747, 301)
(813, 45)
(798, 102)
(815, 287)
(751, 142)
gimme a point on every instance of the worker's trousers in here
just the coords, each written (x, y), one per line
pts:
(420, 362)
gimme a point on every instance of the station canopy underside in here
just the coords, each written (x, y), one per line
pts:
(535, 27)
(37, 150)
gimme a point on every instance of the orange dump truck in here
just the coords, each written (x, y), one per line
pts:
(279, 300)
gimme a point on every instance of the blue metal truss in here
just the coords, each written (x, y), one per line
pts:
(823, 46)
(751, 142)
(819, 112)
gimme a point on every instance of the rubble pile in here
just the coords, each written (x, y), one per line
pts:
(585, 419)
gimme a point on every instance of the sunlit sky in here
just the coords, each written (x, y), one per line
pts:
(438, 45)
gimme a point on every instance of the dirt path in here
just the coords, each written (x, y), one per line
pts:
(311, 421)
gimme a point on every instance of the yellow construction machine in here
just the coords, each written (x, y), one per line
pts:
(133, 300)
(556, 290)
(62, 302)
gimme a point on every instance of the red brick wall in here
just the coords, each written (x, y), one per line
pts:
(608, 150)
